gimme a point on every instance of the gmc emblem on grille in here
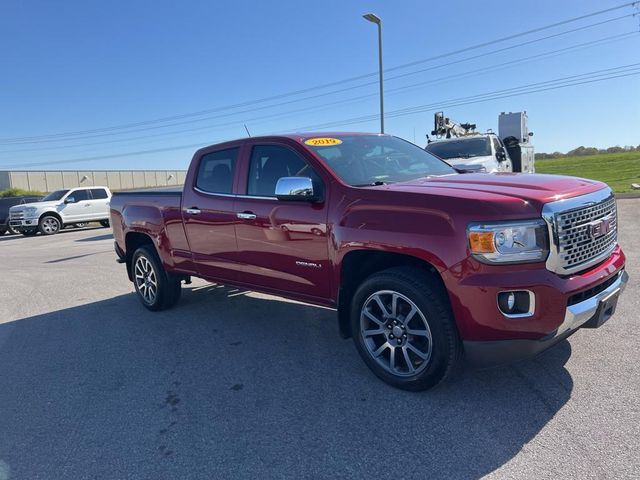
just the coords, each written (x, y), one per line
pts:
(599, 228)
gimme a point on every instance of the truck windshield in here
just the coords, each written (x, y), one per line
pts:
(362, 160)
(465, 148)
(53, 196)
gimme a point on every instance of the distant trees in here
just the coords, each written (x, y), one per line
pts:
(582, 151)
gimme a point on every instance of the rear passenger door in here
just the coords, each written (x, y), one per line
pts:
(283, 244)
(99, 209)
(209, 216)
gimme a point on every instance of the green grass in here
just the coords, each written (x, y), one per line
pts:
(18, 192)
(619, 170)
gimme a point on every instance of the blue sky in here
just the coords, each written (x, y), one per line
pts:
(74, 66)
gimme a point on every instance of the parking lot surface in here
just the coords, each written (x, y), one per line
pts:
(234, 384)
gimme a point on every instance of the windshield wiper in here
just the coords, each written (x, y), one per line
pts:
(377, 183)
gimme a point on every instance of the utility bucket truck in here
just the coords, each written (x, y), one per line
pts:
(465, 149)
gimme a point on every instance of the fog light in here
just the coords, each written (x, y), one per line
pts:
(516, 303)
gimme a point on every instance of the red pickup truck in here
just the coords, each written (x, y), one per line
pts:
(424, 264)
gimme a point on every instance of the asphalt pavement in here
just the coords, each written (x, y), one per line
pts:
(234, 384)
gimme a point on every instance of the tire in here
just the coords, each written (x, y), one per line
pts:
(425, 344)
(49, 225)
(3, 231)
(156, 288)
(11, 231)
(104, 223)
(29, 233)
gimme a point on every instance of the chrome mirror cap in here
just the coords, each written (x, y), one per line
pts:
(295, 189)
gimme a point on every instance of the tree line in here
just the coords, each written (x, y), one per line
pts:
(582, 151)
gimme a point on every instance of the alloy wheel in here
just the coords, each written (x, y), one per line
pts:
(146, 280)
(50, 225)
(395, 333)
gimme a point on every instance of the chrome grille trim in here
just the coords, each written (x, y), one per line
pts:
(16, 215)
(572, 249)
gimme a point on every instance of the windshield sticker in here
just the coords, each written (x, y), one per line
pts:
(323, 142)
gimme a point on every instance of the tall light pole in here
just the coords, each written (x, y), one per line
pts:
(373, 18)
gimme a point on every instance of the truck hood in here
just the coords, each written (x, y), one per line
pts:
(535, 189)
(39, 205)
(459, 161)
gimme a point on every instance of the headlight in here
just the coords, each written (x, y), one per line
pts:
(509, 242)
(30, 210)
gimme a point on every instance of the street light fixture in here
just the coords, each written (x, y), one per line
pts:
(373, 18)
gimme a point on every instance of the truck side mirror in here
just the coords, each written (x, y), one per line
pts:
(296, 189)
(70, 200)
(500, 155)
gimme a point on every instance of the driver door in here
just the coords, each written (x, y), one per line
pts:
(79, 209)
(283, 244)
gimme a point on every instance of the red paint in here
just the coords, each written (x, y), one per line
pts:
(425, 219)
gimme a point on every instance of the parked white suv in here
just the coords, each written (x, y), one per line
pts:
(61, 208)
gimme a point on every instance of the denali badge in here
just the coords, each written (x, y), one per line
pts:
(599, 228)
(308, 264)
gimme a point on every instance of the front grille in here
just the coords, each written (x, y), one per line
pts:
(586, 233)
(19, 215)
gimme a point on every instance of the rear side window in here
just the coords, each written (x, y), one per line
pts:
(80, 195)
(99, 193)
(216, 171)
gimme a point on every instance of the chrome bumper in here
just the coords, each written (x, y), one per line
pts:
(580, 313)
(24, 223)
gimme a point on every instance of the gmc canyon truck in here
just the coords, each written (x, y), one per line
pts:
(424, 265)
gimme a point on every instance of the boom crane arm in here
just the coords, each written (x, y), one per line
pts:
(446, 127)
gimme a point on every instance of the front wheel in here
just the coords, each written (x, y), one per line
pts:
(404, 330)
(49, 225)
(156, 288)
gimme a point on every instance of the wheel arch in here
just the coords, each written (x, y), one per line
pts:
(357, 265)
(51, 213)
(133, 241)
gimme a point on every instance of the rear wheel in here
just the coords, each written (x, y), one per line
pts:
(104, 223)
(404, 330)
(49, 225)
(157, 289)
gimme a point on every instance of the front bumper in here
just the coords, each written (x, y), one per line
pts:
(584, 314)
(24, 223)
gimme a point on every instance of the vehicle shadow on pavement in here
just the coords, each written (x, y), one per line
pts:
(17, 236)
(232, 384)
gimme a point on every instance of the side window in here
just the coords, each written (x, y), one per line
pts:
(216, 171)
(80, 195)
(496, 145)
(99, 193)
(270, 163)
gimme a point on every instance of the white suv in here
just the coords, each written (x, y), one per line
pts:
(60, 208)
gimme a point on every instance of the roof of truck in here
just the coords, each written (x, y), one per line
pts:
(299, 137)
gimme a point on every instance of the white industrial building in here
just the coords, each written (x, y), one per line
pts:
(50, 180)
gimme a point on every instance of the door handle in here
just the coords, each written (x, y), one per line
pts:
(246, 215)
(192, 211)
